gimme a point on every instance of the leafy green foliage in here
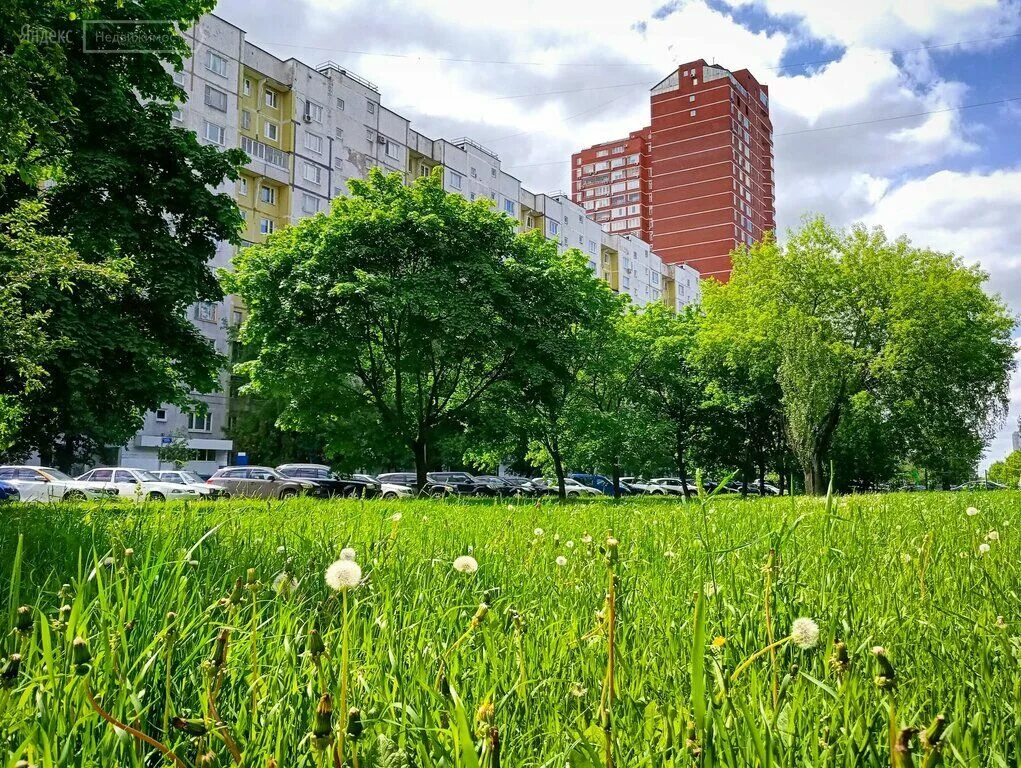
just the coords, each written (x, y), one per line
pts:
(1008, 471)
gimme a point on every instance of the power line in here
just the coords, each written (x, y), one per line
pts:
(841, 125)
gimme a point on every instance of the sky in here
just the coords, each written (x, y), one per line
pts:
(902, 114)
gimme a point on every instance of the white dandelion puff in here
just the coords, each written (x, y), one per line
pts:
(711, 589)
(983, 548)
(538, 531)
(971, 511)
(396, 517)
(343, 575)
(612, 542)
(348, 553)
(569, 544)
(466, 564)
(561, 561)
(586, 539)
(804, 633)
(993, 536)
(281, 549)
(285, 584)
(669, 554)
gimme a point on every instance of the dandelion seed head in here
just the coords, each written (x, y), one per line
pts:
(993, 536)
(396, 517)
(281, 549)
(343, 575)
(971, 511)
(569, 544)
(348, 553)
(466, 564)
(561, 561)
(284, 584)
(586, 539)
(983, 548)
(711, 589)
(612, 542)
(669, 554)
(538, 532)
(1000, 623)
(804, 633)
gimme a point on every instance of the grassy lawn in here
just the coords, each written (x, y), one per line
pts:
(218, 615)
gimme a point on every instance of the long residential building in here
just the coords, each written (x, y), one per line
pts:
(698, 181)
(308, 131)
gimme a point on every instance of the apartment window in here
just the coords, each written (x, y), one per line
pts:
(266, 226)
(592, 246)
(393, 150)
(247, 87)
(310, 203)
(216, 98)
(216, 63)
(206, 311)
(161, 414)
(243, 186)
(314, 142)
(508, 206)
(340, 133)
(179, 79)
(177, 116)
(588, 169)
(492, 172)
(691, 99)
(602, 153)
(371, 106)
(200, 422)
(270, 98)
(619, 149)
(312, 173)
(268, 195)
(340, 104)
(632, 159)
(692, 113)
(455, 178)
(271, 130)
(313, 112)
(246, 119)
(603, 165)
(695, 81)
(215, 134)
(554, 227)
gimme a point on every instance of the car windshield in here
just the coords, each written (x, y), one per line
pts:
(145, 476)
(56, 474)
(192, 477)
(171, 477)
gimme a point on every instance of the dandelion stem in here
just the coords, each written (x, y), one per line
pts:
(343, 682)
(748, 662)
(167, 752)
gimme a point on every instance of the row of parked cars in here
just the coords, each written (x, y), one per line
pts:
(45, 484)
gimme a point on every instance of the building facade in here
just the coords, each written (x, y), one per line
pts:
(308, 131)
(705, 168)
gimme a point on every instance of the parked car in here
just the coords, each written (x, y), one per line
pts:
(331, 483)
(262, 483)
(387, 490)
(770, 489)
(137, 484)
(469, 485)
(8, 492)
(979, 485)
(46, 484)
(192, 480)
(509, 485)
(601, 483)
(572, 487)
(410, 480)
(675, 484)
(651, 489)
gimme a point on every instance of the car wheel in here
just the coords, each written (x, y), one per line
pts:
(224, 495)
(438, 494)
(572, 494)
(156, 496)
(287, 493)
(75, 496)
(389, 496)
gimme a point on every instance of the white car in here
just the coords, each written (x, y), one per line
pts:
(46, 484)
(191, 480)
(395, 491)
(675, 484)
(138, 484)
(653, 488)
(572, 487)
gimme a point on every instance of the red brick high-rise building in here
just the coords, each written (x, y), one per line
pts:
(698, 182)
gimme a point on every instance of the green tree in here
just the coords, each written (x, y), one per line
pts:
(176, 452)
(401, 298)
(121, 184)
(1008, 471)
(844, 313)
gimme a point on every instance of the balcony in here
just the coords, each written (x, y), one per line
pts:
(266, 160)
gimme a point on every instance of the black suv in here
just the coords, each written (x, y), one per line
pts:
(468, 485)
(331, 483)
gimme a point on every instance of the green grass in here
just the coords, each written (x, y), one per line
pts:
(435, 688)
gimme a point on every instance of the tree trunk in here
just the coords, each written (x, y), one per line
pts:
(815, 480)
(418, 447)
(558, 467)
(682, 466)
(783, 480)
(616, 479)
(762, 478)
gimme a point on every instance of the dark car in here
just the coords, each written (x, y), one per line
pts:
(410, 480)
(509, 485)
(601, 483)
(8, 492)
(331, 483)
(469, 485)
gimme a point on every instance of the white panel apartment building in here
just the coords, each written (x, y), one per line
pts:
(308, 131)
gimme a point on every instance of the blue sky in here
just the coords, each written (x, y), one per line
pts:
(537, 80)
